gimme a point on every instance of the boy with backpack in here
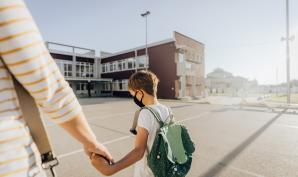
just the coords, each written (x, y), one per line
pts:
(166, 146)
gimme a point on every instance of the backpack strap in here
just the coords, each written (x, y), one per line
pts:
(136, 117)
(156, 115)
(171, 115)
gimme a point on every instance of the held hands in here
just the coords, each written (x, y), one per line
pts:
(98, 149)
(102, 164)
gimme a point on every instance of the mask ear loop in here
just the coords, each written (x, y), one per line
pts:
(136, 94)
(142, 96)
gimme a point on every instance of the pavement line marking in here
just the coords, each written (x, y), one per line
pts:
(120, 114)
(194, 117)
(105, 143)
(70, 153)
(108, 116)
(288, 126)
(117, 139)
(245, 171)
(50, 124)
(125, 137)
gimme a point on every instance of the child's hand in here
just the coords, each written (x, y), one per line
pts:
(102, 165)
(99, 149)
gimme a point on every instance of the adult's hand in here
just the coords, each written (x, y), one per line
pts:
(102, 165)
(98, 149)
(79, 128)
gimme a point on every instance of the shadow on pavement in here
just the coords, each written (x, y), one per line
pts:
(226, 160)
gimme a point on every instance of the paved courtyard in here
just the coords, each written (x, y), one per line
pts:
(231, 141)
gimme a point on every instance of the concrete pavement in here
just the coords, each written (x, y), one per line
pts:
(231, 141)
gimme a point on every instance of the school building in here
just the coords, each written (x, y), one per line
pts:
(178, 62)
(80, 68)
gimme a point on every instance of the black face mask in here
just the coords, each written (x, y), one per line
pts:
(138, 102)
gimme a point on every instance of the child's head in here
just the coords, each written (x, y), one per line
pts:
(143, 85)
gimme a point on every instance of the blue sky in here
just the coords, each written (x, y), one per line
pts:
(241, 36)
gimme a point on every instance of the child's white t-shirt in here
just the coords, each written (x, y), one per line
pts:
(147, 120)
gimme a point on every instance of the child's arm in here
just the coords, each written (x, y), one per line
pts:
(133, 156)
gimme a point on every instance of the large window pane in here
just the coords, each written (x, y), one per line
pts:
(84, 69)
(111, 67)
(65, 67)
(142, 61)
(120, 65)
(103, 67)
(130, 63)
(124, 65)
(114, 66)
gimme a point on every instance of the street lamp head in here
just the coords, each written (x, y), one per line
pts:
(145, 14)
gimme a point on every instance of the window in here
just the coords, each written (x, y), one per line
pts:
(81, 86)
(124, 65)
(200, 58)
(92, 86)
(192, 56)
(116, 85)
(78, 87)
(181, 58)
(142, 61)
(120, 65)
(106, 86)
(125, 85)
(91, 70)
(65, 67)
(103, 68)
(130, 63)
(111, 67)
(120, 85)
(115, 66)
(187, 65)
(107, 67)
(84, 69)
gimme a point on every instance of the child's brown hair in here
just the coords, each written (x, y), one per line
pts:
(145, 80)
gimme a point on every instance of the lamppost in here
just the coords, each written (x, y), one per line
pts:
(145, 16)
(288, 38)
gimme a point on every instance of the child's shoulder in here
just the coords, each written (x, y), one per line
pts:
(145, 111)
(160, 108)
(157, 107)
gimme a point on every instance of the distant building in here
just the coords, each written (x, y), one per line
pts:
(223, 82)
(282, 88)
(219, 81)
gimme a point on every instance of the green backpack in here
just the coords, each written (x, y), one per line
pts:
(171, 152)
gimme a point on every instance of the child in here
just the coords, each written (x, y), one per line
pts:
(142, 86)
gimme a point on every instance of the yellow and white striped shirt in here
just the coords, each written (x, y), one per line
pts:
(23, 51)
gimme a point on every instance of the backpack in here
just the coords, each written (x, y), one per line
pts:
(172, 149)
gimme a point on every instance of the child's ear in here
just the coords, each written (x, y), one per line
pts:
(145, 93)
(142, 92)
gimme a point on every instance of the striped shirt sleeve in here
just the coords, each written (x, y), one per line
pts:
(23, 51)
